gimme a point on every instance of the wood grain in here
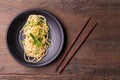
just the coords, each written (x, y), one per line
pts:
(97, 59)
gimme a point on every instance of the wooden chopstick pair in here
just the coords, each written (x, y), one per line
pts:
(80, 44)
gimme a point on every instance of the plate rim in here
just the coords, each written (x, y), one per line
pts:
(60, 28)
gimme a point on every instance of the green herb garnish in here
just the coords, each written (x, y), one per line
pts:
(40, 21)
(22, 41)
(36, 40)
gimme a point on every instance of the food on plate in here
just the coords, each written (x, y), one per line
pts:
(36, 38)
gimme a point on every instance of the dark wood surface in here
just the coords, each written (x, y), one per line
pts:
(97, 59)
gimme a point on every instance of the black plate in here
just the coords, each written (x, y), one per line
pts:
(13, 38)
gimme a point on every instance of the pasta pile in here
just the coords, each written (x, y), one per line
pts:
(36, 41)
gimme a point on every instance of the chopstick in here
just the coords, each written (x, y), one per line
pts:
(81, 43)
(68, 50)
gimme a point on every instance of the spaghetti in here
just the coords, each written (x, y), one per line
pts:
(36, 40)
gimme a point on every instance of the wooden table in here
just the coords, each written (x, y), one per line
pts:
(97, 59)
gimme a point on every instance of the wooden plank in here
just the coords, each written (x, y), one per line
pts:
(62, 77)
